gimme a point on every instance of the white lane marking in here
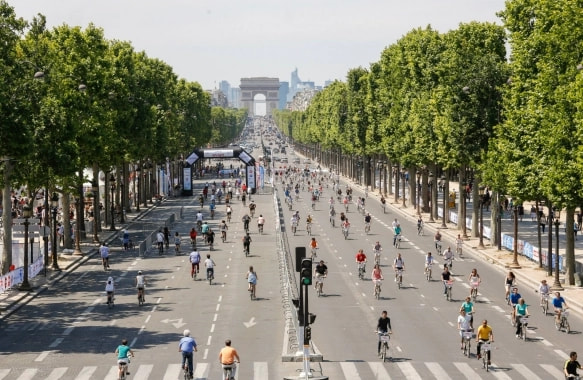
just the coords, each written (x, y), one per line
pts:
(562, 354)
(4, 373)
(399, 348)
(55, 343)
(172, 372)
(201, 371)
(56, 373)
(437, 371)
(148, 319)
(372, 308)
(525, 371)
(208, 342)
(133, 342)
(467, 371)
(141, 330)
(436, 309)
(422, 296)
(260, 371)
(87, 372)
(220, 298)
(409, 371)
(28, 374)
(143, 371)
(159, 300)
(68, 330)
(379, 371)
(484, 299)
(206, 354)
(218, 307)
(544, 341)
(554, 371)
(212, 328)
(499, 375)
(498, 308)
(349, 370)
(97, 300)
(215, 317)
(450, 323)
(467, 286)
(112, 322)
(42, 356)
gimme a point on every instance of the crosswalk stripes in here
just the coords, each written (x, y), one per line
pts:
(260, 371)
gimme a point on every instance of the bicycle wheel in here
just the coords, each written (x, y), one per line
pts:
(523, 332)
(448, 293)
(545, 307)
(557, 325)
(469, 348)
(567, 327)
(186, 374)
(384, 351)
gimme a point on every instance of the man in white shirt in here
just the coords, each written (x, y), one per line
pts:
(194, 261)
(463, 325)
(210, 266)
(448, 257)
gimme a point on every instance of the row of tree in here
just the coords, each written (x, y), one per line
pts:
(454, 101)
(71, 99)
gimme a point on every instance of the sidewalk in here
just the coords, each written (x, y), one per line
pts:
(14, 299)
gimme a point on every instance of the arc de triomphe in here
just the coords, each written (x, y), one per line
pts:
(269, 87)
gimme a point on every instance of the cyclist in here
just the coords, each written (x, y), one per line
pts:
(558, 303)
(332, 214)
(377, 248)
(509, 282)
(246, 219)
(459, 242)
(193, 235)
(437, 241)
(474, 280)
(260, 222)
(104, 251)
(383, 202)
(199, 219)
(123, 352)
(141, 285)
(229, 211)
(212, 207)
(176, 242)
(247, 243)
(484, 334)
(342, 217)
(223, 228)
(166, 237)
(361, 260)
(398, 265)
(514, 297)
(125, 240)
(228, 356)
(321, 270)
(209, 264)
(448, 257)
(445, 278)
(195, 262)
(367, 220)
(210, 237)
(544, 290)
(468, 307)
(308, 222)
(463, 325)
(397, 233)
(571, 366)
(376, 275)
(331, 202)
(110, 289)
(428, 261)
(251, 278)
(313, 247)
(187, 347)
(383, 327)
(160, 240)
(252, 207)
(419, 225)
(201, 198)
(521, 310)
(345, 225)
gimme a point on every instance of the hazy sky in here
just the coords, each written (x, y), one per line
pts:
(212, 40)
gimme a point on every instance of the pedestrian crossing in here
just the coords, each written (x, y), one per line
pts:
(348, 370)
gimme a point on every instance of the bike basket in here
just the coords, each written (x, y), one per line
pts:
(468, 334)
(565, 313)
(475, 285)
(524, 320)
(486, 347)
(384, 338)
(449, 283)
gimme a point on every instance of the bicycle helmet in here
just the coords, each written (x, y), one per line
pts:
(140, 272)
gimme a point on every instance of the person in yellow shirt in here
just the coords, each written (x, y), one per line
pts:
(228, 356)
(483, 335)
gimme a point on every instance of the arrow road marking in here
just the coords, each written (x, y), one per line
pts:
(176, 322)
(251, 322)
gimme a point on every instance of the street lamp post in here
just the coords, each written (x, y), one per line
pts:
(557, 283)
(418, 192)
(431, 184)
(121, 188)
(444, 216)
(481, 192)
(403, 171)
(95, 189)
(54, 209)
(514, 263)
(112, 180)
(26, 213)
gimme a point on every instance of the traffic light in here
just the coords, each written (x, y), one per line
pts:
(307, 333)
(306, 272)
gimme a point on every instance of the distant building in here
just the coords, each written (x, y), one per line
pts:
(283, 91)
(235, 97)
(225, 88)
(302, 100)
(218, 98)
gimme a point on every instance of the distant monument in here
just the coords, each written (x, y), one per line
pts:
(250, 87)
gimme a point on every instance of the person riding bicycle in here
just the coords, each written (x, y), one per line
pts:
(342, 217)
(544, 290)
(210, 237)
(308, 221)
(313, 245)
(397, 233)
(247, 243)
(246, 219)
(110, 288)
(193, 235)
(229, 211)
(398, 265)
(521, 310)
(252, 207)
(141, 285)
(437, 241)
(448, 257)
(223, 227)
(194, 262)
(123, 352)
(204, 230)
(474, 280)
(459, 242)
(166, 236)
(376, 275)
(367, 219)
(468, 307)
(209, 264)
(104, 252)
(383, 200)
(201, 199)
(509, 281)
(125, 240)
(345, 224)
(514, 297)
(464, 324)
(383, 327)
(484, 334)
(260, 222)
(228, 356)
(331, 202)
(428, 260)
(321, 270)
(571, 366)
(559, 304)
(199, 217)
(419, 224)
(177, 241)
(361, 260)
(212, 207)
(187, 346)
(251, 278)
(445, 278)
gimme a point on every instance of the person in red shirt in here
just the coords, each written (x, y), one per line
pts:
(361, 258)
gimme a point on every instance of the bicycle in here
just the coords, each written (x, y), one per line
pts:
(228, 217)
(438, 248)
(420, 229)
(399, 277)
(309, 228)
(474, 291)
(563, 323)
(141, 296)
(398, 241)
(252, 292)
(294, 228)
(260, 228)
(246, 249)
(314, 252)
(377, 288)
(428, 272)
(467, 342)
(228, 371)
(367, 228)
(224, 236)
(448, 286)
(384, 206)
(524, 322)
(319, 284)
(110, 299)
(361, 270)
(210, 275)
(544, 303)
(332, 221)
(123, 368)
(345, 232)
(484, 350)
(377, 257)
(384, 338)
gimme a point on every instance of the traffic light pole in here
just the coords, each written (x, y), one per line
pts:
(306, 373)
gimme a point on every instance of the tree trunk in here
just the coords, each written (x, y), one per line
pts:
(476, 209)
(539, 236)
(66, 201)
(570, 246)
(7, 218)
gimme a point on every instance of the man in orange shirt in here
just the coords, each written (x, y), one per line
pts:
(228, 356)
